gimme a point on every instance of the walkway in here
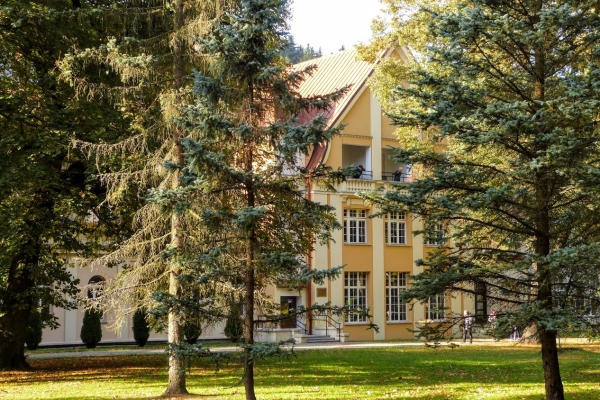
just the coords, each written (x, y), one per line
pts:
(304, 346)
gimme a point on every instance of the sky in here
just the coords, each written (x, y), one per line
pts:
(329, 24)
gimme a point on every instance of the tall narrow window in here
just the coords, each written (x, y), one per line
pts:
(480, 302)
(395, 283)
(355, 294)
(435, 307)
(355, 226)
(95, 290)
(395, 228)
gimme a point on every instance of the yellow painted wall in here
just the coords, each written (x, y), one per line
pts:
(356, 141)
(359, 332)
(358, 119)
(399, 330)
(358, 257)
(399, 258)
(334, 157)
(387, 129)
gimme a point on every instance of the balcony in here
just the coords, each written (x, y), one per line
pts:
(352, 186)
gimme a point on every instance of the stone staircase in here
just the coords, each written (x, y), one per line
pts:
(320, 339)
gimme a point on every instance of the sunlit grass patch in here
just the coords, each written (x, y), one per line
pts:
(511, 372)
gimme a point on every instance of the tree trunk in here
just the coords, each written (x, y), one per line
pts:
(177, 384)
(554, 386)
(13, 324)
(16, 308)
(250, 279)
(249, 331)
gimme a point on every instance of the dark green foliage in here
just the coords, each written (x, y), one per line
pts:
(35, 326)
(501, 123)
(49, 198)
(244, 179)
(141, 329)
(234, 326)
(91, 330)
(192, 330)
(294, 53)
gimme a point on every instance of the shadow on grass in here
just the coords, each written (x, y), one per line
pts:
(402, 373)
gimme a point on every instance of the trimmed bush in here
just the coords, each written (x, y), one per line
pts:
(234, 327)
(33, 335)
(141, 329)
(192, 331)
(91, 330)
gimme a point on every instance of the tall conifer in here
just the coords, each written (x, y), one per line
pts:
(244, 179)
(500, 121)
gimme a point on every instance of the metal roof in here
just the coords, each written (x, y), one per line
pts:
(334, 72)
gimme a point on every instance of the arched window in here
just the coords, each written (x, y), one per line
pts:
(95, 286)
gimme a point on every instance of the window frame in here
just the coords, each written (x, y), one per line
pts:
(360, 221)
(435, 315)
(397, 221)
(400, 306)
(358, 291)
(439, 238)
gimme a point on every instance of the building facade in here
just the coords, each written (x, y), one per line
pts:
(378, 253)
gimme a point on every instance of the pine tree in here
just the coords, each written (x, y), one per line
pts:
(244, 182)
(48, 195)
(500, 120)
(152, 58)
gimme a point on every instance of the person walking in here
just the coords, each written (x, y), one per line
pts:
(492, 321)
(467, 327)
(515, 333)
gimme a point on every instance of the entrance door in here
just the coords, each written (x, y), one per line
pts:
(288, 303)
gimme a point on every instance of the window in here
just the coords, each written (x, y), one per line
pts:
(95, 289)
(395, 228)
(436, 237)
(355, 294)
(395, 283)
(355, 226)
(435, 307)
(480, 302)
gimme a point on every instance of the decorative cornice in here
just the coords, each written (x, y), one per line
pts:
(356, 136)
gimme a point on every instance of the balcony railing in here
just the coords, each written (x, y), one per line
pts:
(395, 177)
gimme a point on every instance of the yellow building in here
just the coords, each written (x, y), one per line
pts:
(378, 253)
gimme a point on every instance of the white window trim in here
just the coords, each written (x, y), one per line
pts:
(358, 218)
(402, 306)
(397, 221)
(359, 292)
(429, 313)
(440, 236)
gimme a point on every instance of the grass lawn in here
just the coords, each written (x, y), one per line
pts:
(511, 372)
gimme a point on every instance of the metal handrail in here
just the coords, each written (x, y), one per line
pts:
(365, 175)
(392, 176)
(273, 322)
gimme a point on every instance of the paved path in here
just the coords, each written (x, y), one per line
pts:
(304, 346)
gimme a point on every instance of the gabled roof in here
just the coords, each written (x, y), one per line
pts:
(334, 72)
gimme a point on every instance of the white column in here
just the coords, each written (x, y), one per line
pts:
(376, 137)
(71, 334)
(417, 247)
(378, 307)
(123, 332)
(335, 247)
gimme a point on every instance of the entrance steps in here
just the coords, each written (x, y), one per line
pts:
(320, 339)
